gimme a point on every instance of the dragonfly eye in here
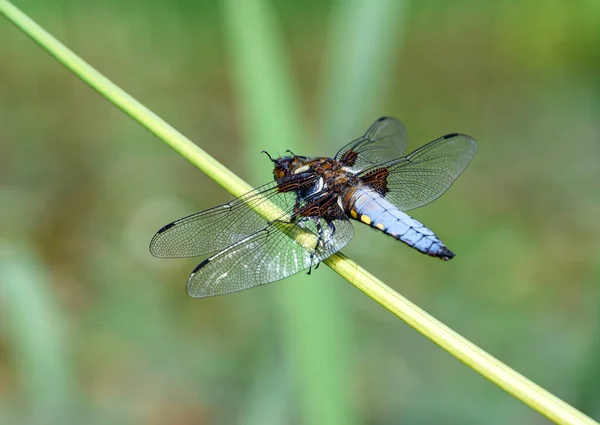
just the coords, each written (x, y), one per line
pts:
(279, 173)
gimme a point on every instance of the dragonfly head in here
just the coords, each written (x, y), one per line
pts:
(283, 167)
(287, 166)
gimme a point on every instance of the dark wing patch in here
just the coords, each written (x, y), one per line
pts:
(384, 140)
(377, 180)
(348, 158)
(425, 174)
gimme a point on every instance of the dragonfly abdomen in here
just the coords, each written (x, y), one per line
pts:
(373, 209)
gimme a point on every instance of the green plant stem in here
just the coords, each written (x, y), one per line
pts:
(494, 370)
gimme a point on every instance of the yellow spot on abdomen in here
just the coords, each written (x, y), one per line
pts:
(353, 213)
(380, 226)
(365, 219)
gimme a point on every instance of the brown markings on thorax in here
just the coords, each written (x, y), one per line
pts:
(335, 182)
(325, 206)
(334, 177)
(295, 184)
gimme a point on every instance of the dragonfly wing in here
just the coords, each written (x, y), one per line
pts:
(271, 254)
(385, 140)
(425, 174)
(215, 229)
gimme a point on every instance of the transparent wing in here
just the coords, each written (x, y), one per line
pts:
(425, 174)
(385, 140)
(217, 228)
(269, 255)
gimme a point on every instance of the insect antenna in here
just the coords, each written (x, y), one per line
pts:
(267, 153)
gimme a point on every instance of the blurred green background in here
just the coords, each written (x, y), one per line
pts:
(94, 330)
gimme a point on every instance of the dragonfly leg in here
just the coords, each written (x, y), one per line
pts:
(332, 228)
(319, 242)
(328, 238)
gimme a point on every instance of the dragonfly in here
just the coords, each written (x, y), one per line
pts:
(305, 214)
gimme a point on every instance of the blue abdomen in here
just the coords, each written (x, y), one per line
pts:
(373, 209)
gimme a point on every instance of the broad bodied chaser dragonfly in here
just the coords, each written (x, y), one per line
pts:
(314, 201)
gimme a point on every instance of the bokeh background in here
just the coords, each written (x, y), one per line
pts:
(94, 330)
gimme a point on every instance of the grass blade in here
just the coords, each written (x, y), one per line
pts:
(354, 78)
(35, 326)
(315, 337)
